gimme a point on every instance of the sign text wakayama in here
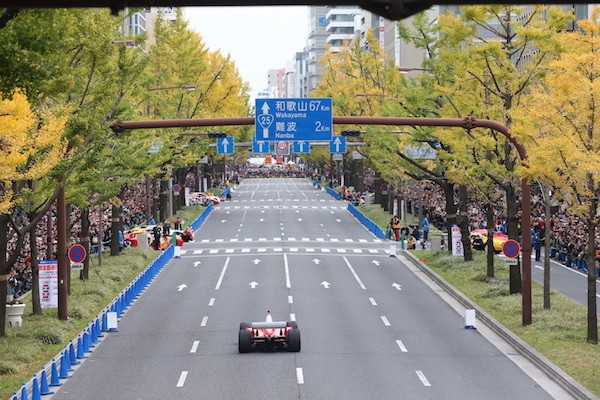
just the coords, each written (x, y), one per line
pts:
(294, 119)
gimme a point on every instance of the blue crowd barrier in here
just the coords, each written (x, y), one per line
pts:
(87, 339)
(333, 193)
(370, 225)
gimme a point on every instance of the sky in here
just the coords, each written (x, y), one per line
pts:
(257, 38)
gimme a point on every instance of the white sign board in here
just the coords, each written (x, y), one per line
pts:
(338, 157)
(76, 266)
(457, 246)
(48, 277)
(420, 152)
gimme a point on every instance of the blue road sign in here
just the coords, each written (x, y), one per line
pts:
(511, 248)
(301, 147)
(259, 147)
(225, 145)
(294, 119)
(337, 144)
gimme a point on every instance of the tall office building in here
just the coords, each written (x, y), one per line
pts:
(143, 21)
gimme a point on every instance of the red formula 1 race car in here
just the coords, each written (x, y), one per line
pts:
(269, 335)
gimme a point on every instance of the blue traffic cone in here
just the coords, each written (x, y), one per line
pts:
(72, 355)
(15, 396)
(80, 352)
(44, 389)
(92, 329)
(98, 327)
(64, 369)
(35, 390)
(54, 378)
(24, 393)
(67, 359)
(104, 322)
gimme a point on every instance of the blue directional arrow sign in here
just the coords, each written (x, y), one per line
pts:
(225, 145)
(294, 119)
(259, 147)
(337, 144)
(301, 147)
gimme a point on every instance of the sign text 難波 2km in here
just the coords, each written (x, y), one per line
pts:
(294, 119)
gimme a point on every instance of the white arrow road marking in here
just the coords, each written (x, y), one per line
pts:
(290, 299)
(204, 320)
(182, 378)
(331, 212)
(338, 220)
(372, 300)
(375, 262)
(299, 376)
(195, 346)
(223, 220)
(300, 219)
(325, 284)
(297, 211)
(362, 286)
(196, 263)
(292, 317)
(288, 283)
(222, 274)
(181, 287)
(421, 376)
(385, 320)
(397, 286)
(253, 284)
(227, 212)
(262, 211)
(401, 345)
(211, 302)
(316, 261)
(261, 220)
(256, 261)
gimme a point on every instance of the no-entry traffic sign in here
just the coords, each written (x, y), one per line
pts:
(77, 253)
(511, 248)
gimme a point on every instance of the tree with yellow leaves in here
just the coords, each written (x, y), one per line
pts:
(559, 125)
(30, 146)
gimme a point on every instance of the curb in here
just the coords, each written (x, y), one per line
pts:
(557, 375)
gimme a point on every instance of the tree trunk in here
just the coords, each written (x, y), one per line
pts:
(547, 251)
(100, 233)
(35, 273)
(148, 199)
(164, 202)
(49, 236)
(115, 229)
(85, 242)
(592, 316)
(489, 216)
(512, 219)
(4, 271)
(463, 222)
(450, 212)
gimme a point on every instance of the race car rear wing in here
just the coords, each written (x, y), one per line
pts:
(269, 325)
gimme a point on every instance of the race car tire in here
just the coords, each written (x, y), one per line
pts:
(293, 324)
(293, 340)
(245, 342)
(244, 325)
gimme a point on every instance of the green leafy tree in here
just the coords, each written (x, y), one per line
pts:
(559, 124)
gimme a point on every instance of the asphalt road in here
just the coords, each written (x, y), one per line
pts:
(371, 329)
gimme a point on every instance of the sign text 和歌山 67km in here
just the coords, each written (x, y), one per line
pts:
(294, 119)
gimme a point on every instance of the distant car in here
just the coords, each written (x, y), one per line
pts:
(479, 237)
(269, 335)
(204, 198)
(131, 235)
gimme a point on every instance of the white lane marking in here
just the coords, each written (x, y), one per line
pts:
(292, 317)
(300, 376)
(245, 250)
(195, 346)
(385, 320)
(401, 345)
(182, 378)
(372, 300)
(222, 274)
(213, 251)
(229, 251)
(204, 320)
(355, 274)
(290, 299)
(211, 302)
(421, 376)
(288, 283)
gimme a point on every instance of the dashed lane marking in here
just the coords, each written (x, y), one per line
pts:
(422, 377)
(299, 376)
(211, 302)
(204, 320)
(372, 300)
(182, 379)
(222, 274)
(401, 345)
(195, 346)
(385, 320)
(362, 286)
